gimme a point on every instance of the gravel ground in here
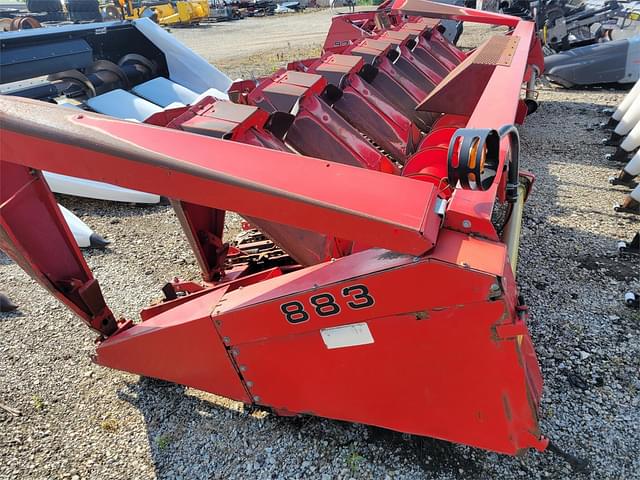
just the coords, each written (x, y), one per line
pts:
(80, 421)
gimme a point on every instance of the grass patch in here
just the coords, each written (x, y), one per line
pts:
(110, 425)
(353, 461)
(163, 442)
(38, 403)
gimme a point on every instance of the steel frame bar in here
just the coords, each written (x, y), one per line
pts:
(317, 195)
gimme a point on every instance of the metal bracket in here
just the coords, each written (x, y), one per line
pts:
(473, 159)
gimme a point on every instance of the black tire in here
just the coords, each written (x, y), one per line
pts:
(84, 10)
(50, 6)
(84, 6)
(111, 12)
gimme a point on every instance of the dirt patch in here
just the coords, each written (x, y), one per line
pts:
(266, 62)
(609, 265)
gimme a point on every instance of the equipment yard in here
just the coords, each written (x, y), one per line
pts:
(63, 417)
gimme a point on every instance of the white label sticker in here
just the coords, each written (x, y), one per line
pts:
(346, 336)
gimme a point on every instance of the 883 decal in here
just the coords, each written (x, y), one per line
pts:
(353, 297)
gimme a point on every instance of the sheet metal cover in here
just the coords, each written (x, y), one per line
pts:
(498, 51)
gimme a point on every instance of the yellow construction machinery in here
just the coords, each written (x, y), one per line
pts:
(181, 12)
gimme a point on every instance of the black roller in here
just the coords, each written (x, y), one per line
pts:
(106, 76)
(103, 76)
(73, 83)
(137, 68)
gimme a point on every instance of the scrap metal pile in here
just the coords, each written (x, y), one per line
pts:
(599, 43)
(384, 181)
(585, 42)
(179, 13)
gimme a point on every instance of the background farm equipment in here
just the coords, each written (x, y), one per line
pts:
(221, 11)
(585, 42)
(180, 13)
(254, 8)
(593, 44)
(601, 63)
(17, 21)
(66, 10)
(390, 256)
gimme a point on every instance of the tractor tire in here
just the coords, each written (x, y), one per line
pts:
(5, 24)
(84, 10)
(24, 23)
(111, 12)
(49, 6)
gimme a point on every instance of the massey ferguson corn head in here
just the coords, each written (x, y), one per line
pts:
(382, 181)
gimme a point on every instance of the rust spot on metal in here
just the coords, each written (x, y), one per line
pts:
(498, 51)
(389, 255)
(521, 452)
(421, 315)
(507, 407)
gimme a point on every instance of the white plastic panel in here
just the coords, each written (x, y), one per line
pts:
(124, 105)
(164, 92)
(81, 232)
(185, 67)
(101, 191)
(212, 92)
(632, 72)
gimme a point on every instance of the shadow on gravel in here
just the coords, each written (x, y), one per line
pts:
(434, 456)
(89, 206)
(572, 277)
(170, 413)
(4, 259)
(8, 316)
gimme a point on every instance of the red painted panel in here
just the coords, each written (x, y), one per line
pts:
(181, 346)
(442, 376)
(416, 286)
(352, 203)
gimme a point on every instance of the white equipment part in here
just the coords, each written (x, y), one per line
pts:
(167, 94)
(626, 102)
(212, 92)
(185, 67)
(627, 175)
(632, 140)
(84, 236)
(164, 92)
(629, 119)
(633, 167)
(122, 104)
(98, 190)
(631, 203)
